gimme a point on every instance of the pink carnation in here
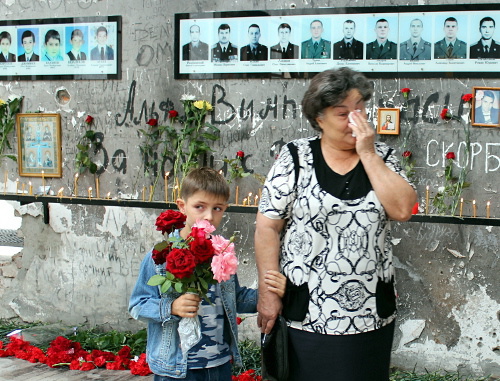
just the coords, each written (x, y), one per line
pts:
(205, 225)
(223, 266)
(220, 244)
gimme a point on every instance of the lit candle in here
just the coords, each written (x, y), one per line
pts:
(249, 199)
(43, 182)
(75, 186)
(427, 199)
(108, 195)
(176, 192)
(256, 199)
(244, 202)
(22, 188)
(30, 192)
(143, 193)
(90, 192)
(166, 186)
(97, 187)
(473, 208)
(237, 194)
(17, 185)
(60, 192)
(461, 206)
(5, 185)
(488, 209)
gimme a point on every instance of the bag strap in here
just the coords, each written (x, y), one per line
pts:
(295, 156)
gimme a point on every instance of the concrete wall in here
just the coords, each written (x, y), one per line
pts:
(82, 266)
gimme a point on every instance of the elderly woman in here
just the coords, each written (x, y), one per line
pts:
(323, 221)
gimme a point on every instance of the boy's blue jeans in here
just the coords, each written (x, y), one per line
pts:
(218, 373)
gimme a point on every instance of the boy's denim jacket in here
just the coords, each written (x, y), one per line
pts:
(163, 351)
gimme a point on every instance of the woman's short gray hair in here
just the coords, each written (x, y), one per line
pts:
(330, 88)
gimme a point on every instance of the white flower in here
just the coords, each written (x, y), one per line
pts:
(441, 189)
(187, 97)
(13, 97)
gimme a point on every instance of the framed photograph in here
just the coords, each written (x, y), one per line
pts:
(388, 121)
(39, 145)
(485, 106)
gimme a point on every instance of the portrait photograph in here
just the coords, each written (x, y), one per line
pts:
(28, 45)
(39, 145)
(388, 121)
(485, 106)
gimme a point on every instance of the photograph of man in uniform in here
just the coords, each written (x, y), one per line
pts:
(5, 42)
(196, 50)
(415, 48)
(224, 50)
(284, 49)
(486, 47)
(316, 46)
(254, 51)
(348, 48)
(102, 51)
(486, 113)
(28, 41)
(450, 46)
(77, 40)
(382, 48)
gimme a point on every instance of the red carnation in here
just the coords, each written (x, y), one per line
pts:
(450, 155)
(238, 320)
(405, 91)
(406, 154)
(89, 120)
(140, 367)
(240, 154)
(414, 210)
(467, 97)
(445, 114)
(202, 250)
(152, 122)
(172, 114)
(169, 220)
(181, 263)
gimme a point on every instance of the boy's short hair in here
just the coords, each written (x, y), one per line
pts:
(52, 34)
(207, 180)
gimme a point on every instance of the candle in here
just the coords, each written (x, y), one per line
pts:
(5, 185)
(143, 193)
(17, 185)
(488, 209)
(255, 201)
(244, 202)
(427, 199)
(75, 186)
(166, 186)
(473, 208)
(97, 187)
(43, 182)
(178, 187)
(150, 193)
(176, 192)
(237, 194)
(108, 195)
(249, 199)
(90, 192)
(22, 188)
(60, 192)
(260, 193)
(461, 206)
(30, 189)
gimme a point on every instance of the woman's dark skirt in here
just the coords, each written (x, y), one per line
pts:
(360, 357)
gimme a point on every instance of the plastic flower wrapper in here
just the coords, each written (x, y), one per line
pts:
(192, 265)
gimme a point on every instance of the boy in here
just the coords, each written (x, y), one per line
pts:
(204, 196)
(52, 46)
(5, 42)
(28, 41)
(77, 41)
(102, 51)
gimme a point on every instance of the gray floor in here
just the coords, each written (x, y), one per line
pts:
(12, 369)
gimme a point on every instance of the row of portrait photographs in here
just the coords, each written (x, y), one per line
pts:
(391, 36)
(58, 42)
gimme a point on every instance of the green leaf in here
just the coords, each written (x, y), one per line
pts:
(166, 286)
(156, 280)
(178, 287)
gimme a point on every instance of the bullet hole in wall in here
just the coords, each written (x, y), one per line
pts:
(62, 96)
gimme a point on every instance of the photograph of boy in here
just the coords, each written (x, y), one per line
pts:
(254, 51)
(204, 196)
(486, 113)
(348, 48)
(77, 41)
(486, 47)
(28, 41)
(195, 50)
(102, 51)
(382, 48)
(284, 49)
(52, 46)
(316, 46)
(450, 46)
(5, 43)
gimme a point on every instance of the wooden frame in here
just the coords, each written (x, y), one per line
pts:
(39, 145)
(388, 121)
(486, 100)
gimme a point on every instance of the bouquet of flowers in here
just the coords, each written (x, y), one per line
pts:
(191, 265)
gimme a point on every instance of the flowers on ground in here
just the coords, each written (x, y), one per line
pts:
(195, 263)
